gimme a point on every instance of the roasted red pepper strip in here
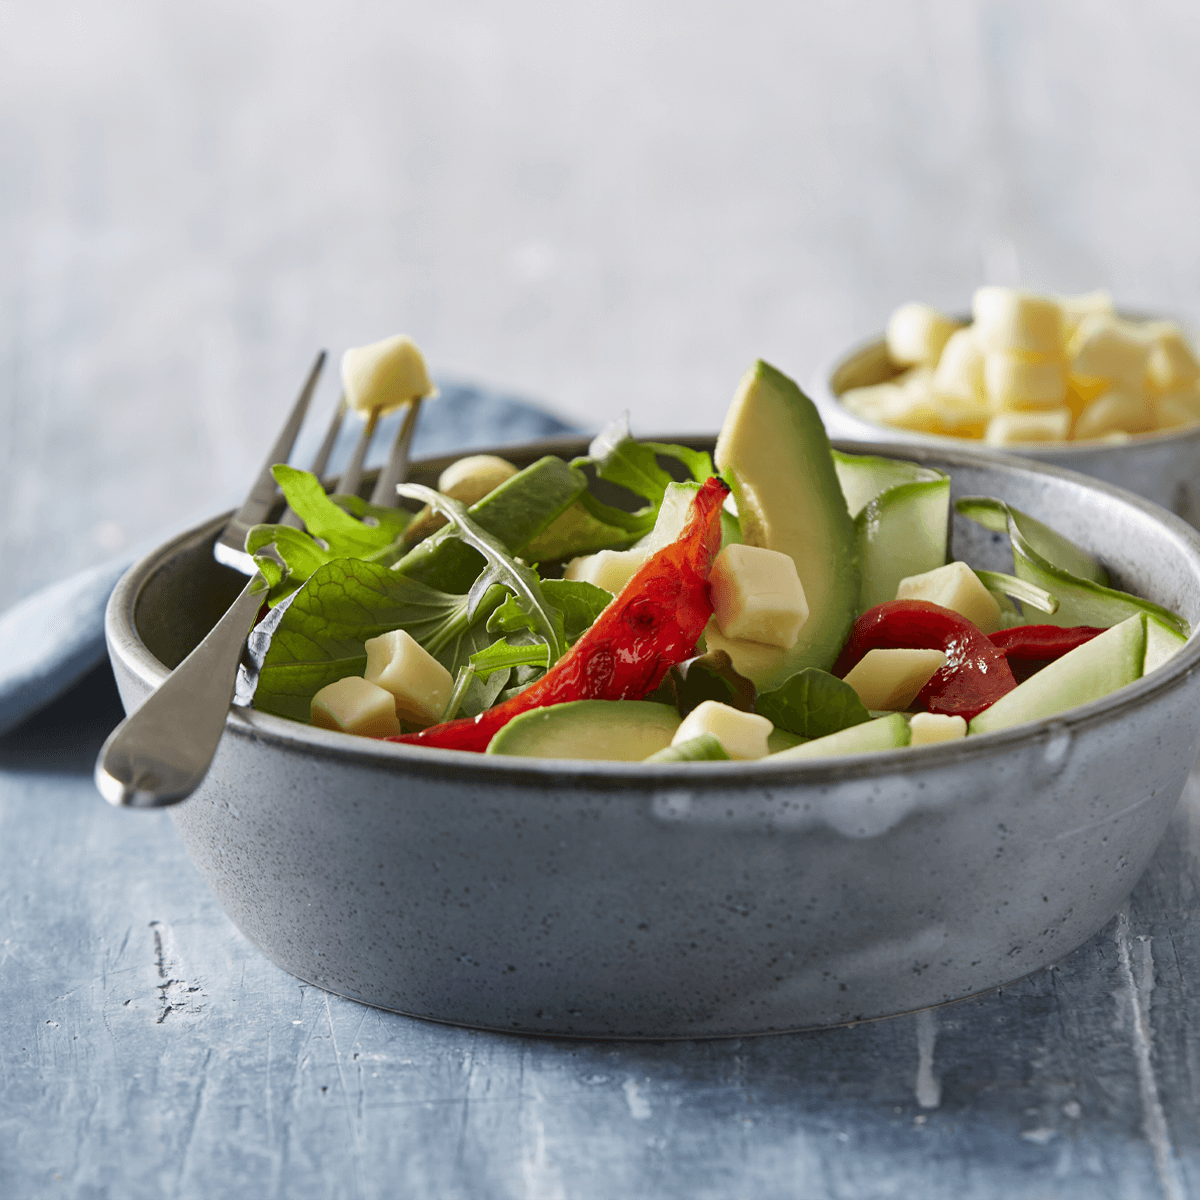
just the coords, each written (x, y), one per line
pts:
(975, 674)
(1028, 648)
(1043, 642)
(655, 621)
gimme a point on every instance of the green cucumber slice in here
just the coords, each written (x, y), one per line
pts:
(704, 747)
(1109, 661)
(1081, 601)
(901, 517)
(885, 733)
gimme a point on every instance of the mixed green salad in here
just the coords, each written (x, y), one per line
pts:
(638, 603)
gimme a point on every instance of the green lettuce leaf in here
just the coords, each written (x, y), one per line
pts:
(318, 638)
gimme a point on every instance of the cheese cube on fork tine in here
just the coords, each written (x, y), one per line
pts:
(385, 375)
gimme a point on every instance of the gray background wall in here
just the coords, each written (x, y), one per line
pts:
(599, 206)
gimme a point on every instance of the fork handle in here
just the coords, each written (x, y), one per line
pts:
(161, 752)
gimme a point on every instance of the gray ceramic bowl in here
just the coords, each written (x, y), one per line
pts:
(620, 900)
(1165, 468)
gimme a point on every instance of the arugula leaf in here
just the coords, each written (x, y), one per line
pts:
(319, 637)
(813, 703)
(328, 519)
(503, 654)
(500, 567)
(619, 459)
(335, 529)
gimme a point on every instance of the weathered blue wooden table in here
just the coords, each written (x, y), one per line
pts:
(147, 1050)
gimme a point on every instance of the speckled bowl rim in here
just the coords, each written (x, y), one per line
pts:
(331, 746)
(826, 397)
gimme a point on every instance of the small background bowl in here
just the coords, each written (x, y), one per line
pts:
(704, 899)
(1164, 468)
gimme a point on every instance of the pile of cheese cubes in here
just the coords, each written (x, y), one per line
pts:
(1034, 368)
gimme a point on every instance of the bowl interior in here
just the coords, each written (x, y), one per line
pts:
(182, 591)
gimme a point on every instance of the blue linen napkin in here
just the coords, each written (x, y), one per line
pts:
(50, 640)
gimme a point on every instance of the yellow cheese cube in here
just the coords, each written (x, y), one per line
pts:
(743, 735)
(957, 417)
(1126, 411)
(353, 705)
(1017, 322)
(1170, 412)
(1013, 383)
(916, 333)
(927, 728)
(1177, 408)
(609, 569)
(1110, 348)
(1016, 428)
(954, 586)
(1075, 308)
(757, 595)
(385, 375)
(418, 683)
(1172, 362)
(469, 479)
(891, 679)
(959, 371)
(869, 402)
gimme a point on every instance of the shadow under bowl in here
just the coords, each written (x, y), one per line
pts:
(619, 900)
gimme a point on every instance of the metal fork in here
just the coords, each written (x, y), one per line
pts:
(161, 752)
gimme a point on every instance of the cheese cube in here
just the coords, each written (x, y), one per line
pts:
(757, 595)
(1172, 362)
(384, 375)
(609, 569)
(1014, 383)
(352, 705)
(957, 417)
(469, 479)
(1110, 348)
(957, 587)
(742, 734)
(916, 333)
(927, 728)
(418, 683)
(1015, 428)
(1170, 412)
(1075, 308)
(891, 679)
(959, 372)
(1009, 321)
(1177, 408)
(869, 402)
(1127, 411)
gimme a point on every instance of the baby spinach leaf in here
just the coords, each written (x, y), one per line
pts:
(709, 676)
(813, 703)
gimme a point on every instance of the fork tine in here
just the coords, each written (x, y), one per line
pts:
(321, 461)
(261, 497)
(352, 476)
(396, 467)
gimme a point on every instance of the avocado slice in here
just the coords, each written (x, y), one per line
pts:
(1109, 661)
(614, 730)
(774, 453)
